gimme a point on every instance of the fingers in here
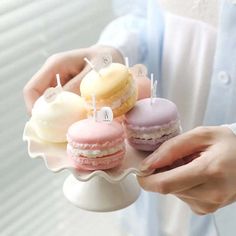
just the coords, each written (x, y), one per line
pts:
(208, 193)
(186, 144)
(67, 64)
(175, 180)
(73, 85)
(37, 85)
(199, 207)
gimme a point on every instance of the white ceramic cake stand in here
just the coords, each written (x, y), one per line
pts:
(99, 191)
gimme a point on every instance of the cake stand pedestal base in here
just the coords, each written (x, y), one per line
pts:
(100, 195)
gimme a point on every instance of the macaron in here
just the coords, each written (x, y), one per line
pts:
(113, 86)
(143, 85)
(149, 124)
(96, 145)
(139, 72)
(54, 112)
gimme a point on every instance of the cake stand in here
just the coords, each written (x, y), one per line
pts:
(100, 191)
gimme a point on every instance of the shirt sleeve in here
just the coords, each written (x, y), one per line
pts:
(128, 35)
(232, 127)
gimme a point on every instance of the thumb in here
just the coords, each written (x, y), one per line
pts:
(187, 145)
(73, 85)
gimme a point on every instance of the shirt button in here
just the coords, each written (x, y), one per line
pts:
(224, 77)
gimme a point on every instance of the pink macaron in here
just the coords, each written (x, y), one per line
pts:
(148, 124)
(96, 145)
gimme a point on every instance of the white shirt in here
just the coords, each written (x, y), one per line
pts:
(200, 77)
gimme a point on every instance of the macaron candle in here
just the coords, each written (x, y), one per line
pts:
(151, 122)
(112, 85)
(139, 72)
(96, 143)
(55, 111)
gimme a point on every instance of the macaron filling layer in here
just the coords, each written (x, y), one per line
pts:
(95, 153)
(154, 132)
(154, 141)
(127, 93)
(104, 163)
(150, 144)
(100, 146)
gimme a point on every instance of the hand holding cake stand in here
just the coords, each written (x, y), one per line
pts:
(99, 190)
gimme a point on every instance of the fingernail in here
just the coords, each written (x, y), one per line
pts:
(144, 168)
(148, 162)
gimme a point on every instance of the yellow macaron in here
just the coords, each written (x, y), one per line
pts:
(113, 86)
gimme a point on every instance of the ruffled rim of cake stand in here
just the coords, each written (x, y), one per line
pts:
(56, 160)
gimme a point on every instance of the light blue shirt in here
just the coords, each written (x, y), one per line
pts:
(144, 26)
(221, 108)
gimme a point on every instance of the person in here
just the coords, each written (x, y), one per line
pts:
(195, 67)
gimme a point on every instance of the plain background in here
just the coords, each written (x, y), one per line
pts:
(31, 198)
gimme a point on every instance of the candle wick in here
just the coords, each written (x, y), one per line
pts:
(92, 66)
(58, 80)
(152, 88)
(127, 62)
(89, 62)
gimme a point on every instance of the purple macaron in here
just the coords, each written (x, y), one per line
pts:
(148, 124)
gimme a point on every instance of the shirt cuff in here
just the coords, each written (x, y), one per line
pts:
(232, 127)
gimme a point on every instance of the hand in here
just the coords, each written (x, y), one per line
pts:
(71, 67)
(205, 183)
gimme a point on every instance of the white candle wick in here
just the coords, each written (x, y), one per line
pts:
(89, 63)
(155, 89)
(152, 78)
(127, 62)
(58, 80)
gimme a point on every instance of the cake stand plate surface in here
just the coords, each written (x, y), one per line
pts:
(90, 190)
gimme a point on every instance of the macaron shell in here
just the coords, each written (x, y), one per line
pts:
(105, 84)
(51, 120)
(145, 146)
(66, 104)
(145, 114)
(89, 131)
(144, 87)
(50, 132)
